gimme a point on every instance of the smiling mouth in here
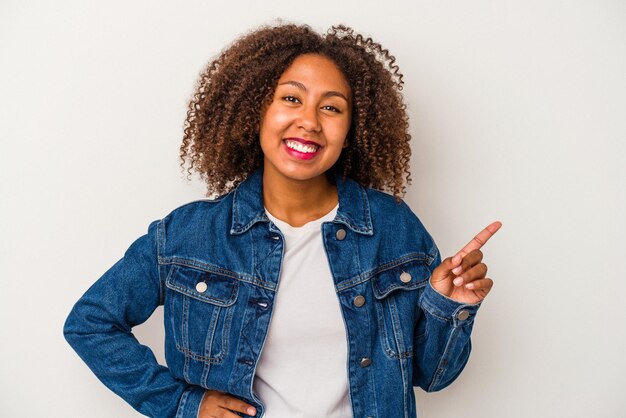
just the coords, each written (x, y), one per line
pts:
(308, 148)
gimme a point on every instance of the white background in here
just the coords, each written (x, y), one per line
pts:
(518, 113)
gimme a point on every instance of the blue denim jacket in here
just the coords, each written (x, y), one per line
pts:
(215, 266)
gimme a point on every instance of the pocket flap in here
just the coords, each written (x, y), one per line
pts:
(206, 286)
(408, 276)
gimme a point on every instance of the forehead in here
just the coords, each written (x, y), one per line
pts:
(316, 70)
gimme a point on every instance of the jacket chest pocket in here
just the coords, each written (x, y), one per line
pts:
(400, 321)
(200, 308)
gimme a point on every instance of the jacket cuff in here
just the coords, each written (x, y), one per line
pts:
(458, 313)
(190, 401)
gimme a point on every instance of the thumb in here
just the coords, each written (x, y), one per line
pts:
(444, 270)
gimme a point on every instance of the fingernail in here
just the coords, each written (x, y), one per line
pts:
(458, 281)
(456, 259)
(457, 270)
(469, 286)
(251, 411)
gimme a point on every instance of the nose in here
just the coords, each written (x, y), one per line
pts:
(308, 119)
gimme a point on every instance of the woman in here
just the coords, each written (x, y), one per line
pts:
(301, 290)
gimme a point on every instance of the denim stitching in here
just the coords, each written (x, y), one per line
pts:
(262, 217)
(213, 326)
(427, 307)
(184, 337)
(190, 354)
(200, 266)
(443, 362)
(183, 345)
(182, 404)
(214, 301)
(383, 329)
(210, 333)
(273, 247)
(366, 210)
(160, 244)
(383, 267)
(388, 349)
(405, 380)
(218, 270)
(396, 327)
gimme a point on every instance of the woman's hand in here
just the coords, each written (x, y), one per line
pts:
(462, 277)
(216, 404)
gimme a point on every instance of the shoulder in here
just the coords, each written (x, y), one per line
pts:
(199, 206)
(387, 208)
(385, 200)
(395, 220)
(198, 214)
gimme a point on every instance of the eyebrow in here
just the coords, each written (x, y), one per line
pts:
(301, 86)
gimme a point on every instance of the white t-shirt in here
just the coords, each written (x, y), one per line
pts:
(302, 371)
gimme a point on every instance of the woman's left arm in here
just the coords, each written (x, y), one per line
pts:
(450, 301)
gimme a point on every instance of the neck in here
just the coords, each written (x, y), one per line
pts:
(298, 201)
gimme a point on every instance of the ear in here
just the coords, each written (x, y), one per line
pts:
(345, 143)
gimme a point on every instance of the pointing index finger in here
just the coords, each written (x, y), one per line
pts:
(480, 239)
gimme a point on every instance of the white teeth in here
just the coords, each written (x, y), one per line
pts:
(301, 147)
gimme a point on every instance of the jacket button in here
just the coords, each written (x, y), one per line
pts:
(462, 315)
(365, 361)
(405, 277)
(201, 287)
(359, 301)
(341, 234)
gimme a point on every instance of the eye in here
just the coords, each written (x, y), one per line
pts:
(331, 108)
(291, 99)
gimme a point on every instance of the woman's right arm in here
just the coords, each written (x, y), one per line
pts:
(99, 329)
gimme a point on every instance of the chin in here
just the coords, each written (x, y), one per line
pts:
(303, 175)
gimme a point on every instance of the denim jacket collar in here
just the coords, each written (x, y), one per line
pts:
(248, 206)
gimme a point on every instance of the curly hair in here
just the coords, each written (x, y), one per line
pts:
(221, 133)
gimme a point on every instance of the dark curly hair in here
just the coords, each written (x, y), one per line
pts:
(221, 134)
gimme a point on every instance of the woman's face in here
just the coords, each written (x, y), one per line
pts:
(304, 128)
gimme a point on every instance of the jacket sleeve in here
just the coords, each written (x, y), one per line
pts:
(99, 329)
(442, 351)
